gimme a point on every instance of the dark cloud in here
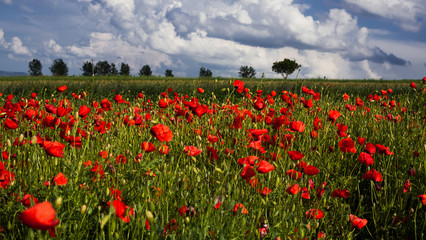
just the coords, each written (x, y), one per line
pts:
(381, 57)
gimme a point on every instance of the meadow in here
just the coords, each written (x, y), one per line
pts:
(186, 158)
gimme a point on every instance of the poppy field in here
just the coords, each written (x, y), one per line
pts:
(209, 160)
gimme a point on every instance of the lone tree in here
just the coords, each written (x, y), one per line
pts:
(87, 68)
(59, 68)
(102, 68)
(168, 73)
(205, 72)
(247, 72)
(113, 70)
(285, 67)
(124, 69)
(35, 67)
(145, 71)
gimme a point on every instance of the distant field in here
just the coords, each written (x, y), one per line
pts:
(153, 86)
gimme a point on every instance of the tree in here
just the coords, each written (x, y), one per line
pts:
(102, 68)
(124, 69)
(87, 68)
(145, 71)
(113, 70)
(168, 73)
(247, 72)
(59, 68)
(205, 72)
(285, 67)
(35, 67)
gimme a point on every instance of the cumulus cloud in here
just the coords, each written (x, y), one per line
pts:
(406, 13)
(15, 45)
(226, 34)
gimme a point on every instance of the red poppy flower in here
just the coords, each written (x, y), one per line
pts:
(297, 126)
(407, 185)
(314, 214)
(311, 170)
(265, 191)
(374, 175)
(55, 149)
(41, 216)
(121, 209)
(347, 145)
(333, 115)
(422, 198)
(365, 158)
(294, 189)
(248, 172)
(162, 133)
(413, 85)
(28, 199)
(361, 140)
(383, 150)
(239, 85)
(192, 151)
(200, 90)
(241, 208)
(212, 138)
(148, 147)
(163, 149)
(265, 167)
(305, 193)
(120, 159)
(10, 124)
(342, 193)
(212, 153)
(295, 155)
(294, 174)
(357, 222)
(370, 148)
(60, 179)
(62, 89)
(83, 111)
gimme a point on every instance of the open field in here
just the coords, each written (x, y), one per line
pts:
(184, 158)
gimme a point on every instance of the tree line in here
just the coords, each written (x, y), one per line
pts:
(103, 68)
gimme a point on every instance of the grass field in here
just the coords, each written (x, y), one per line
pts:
(186, 158)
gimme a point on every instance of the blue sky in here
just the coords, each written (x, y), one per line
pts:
(364, 39)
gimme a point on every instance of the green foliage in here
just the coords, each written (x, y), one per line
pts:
(145, 71)
(103, 68)
(247, 72)
(113, 70)
(285, 67)
(87, 69)
(35, 67)
(124, 69)
(168, 73)
(205, 73)
(59, 68)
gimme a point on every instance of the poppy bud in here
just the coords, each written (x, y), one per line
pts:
(83, 209)
(149, 216)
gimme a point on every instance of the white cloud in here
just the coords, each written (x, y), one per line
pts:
(53, 46)
(8, 2)
(406, 13)
(15, 45)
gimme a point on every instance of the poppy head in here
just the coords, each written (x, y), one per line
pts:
(162, 133)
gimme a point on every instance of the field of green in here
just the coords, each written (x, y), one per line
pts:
(186, 158)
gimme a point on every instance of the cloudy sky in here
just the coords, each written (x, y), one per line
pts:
(329, 38)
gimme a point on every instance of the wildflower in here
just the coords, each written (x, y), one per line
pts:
(314, 214)
(240, 206)
(192, 151)
(41, 216)
(342, 193)
(365, 158)
(60, 179)
(407, 185)
(62, 89)
(162, 133)
(422, 198)
(357, 222)
(297, 126)
(374, 175)
(347, 145)
(294, 189)
(239, 85)
(265, 167)
(333, 115)
(121, 209)
(28, 200)
(55, 149)
(311, 170)
(148, 147)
